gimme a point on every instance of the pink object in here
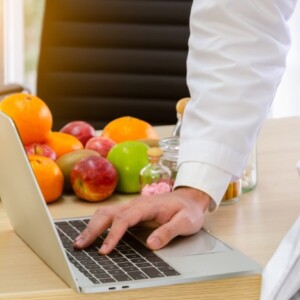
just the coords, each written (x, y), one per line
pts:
(156, 188)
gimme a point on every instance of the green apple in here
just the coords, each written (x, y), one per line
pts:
(129, 158)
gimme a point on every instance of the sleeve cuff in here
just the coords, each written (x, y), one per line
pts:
(207, 178)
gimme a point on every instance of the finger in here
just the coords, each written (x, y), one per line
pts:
(180, 224)
(99, 222)
(123, 221)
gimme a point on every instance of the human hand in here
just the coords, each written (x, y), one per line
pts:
(180, 212)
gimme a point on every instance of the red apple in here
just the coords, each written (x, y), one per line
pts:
(40, 149)
(94, 178)
(82, 130)
(100, 144)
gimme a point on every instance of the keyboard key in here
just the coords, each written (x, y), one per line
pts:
(122, 277)
(154, 259)
(120, 260)
(160, 264)
(122, 248)
(138, 260)
(130, 269)
(78, 224)
(144, 265)
(152, 272)
(116, 272)
(137, 275)
(86, 273)
(96, 269)
(104, 262)
(170, 273)
(125, 265)
(111, 267)
(94, 280)
(128, 252)
(166, 269)
(107, 280)
(133, 255)
(115, 254)
(101, 276)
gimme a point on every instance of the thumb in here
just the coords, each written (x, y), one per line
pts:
(183, 223)
(164, 234)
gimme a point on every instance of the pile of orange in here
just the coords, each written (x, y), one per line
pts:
(33, 120)
(129, 129)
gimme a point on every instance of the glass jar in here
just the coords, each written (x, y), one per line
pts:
(249, 177)
(170, 147)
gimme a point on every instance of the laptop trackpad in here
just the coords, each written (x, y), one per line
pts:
(199, 243)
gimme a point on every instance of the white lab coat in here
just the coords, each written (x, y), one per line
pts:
(237, 52)
(281, 276)
(236, 60)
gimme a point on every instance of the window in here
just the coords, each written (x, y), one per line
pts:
(22, 27)
(33, 17)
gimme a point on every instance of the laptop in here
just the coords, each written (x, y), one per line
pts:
(199, 257)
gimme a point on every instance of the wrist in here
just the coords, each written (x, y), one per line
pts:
(196, 195)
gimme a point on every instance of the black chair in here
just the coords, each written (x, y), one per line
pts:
(102, 59)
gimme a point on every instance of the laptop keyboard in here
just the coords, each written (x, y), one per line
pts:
(130, 260)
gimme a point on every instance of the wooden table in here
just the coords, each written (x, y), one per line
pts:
(255, 226)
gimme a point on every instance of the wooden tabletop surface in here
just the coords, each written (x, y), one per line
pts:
(255, 225)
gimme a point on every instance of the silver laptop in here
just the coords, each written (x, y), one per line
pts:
(131, 265)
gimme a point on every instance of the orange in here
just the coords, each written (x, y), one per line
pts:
(62, 143)
(31, 115)
(128, 129)
(48, 175)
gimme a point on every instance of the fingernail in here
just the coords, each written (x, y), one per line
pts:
(154, 243)
(78, 238)
(78, 241)
(103, 248)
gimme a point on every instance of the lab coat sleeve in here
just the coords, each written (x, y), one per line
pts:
(237, 52)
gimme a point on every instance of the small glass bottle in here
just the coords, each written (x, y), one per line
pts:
(232, 193)
(249, 177)
(180, 107)
(155, 178)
